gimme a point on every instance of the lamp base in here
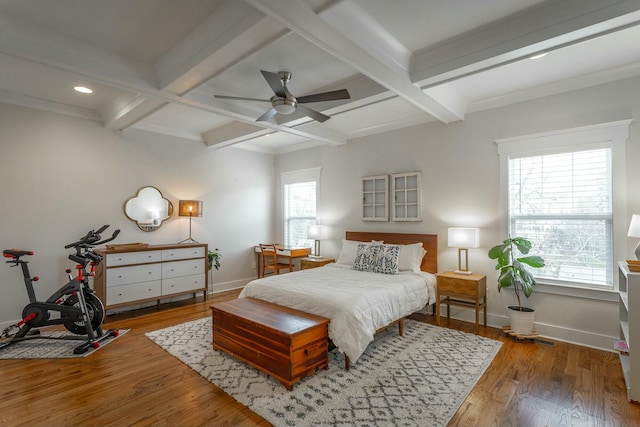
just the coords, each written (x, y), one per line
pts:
(638, 252)
(466, 272)
(188, 240)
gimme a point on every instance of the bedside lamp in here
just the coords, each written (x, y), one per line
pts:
(463, 239)
(189, 208)
(634, 231)
(317, 233)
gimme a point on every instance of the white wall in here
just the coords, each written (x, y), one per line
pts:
(61, 176)
(460, 170)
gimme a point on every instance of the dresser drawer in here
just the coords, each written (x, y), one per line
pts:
(182, 268)
(134, 274)
(182, 253)
(182, 284)
(133, 258)
(133, 292)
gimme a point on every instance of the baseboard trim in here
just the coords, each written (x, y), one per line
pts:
(553, 332)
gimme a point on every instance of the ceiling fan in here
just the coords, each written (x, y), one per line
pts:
(284, 103)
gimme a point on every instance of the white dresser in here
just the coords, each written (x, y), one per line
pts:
(132, 274)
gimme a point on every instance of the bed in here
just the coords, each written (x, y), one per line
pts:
(359, 301)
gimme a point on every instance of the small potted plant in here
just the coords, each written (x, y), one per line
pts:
(213, 258)
(514, 273)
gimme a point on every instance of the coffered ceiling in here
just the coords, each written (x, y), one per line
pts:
(156, 65)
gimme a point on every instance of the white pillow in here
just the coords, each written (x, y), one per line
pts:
(411, 257)
(349, 251)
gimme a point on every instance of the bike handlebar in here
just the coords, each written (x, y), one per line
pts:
(92, 238)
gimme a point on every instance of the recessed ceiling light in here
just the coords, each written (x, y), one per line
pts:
(82, 89)
(538, 56)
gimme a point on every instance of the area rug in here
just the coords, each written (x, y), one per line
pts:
(48, 348)
(419, 379)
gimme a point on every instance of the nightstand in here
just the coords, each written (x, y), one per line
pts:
(465, 290)
(307, 263)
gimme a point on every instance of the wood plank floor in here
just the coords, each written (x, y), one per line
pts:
(133, 382)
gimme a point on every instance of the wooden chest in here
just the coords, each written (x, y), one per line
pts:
(285, 343)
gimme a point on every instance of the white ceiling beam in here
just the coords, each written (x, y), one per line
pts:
(45, 47)
(231, 33)
(36, 44)
(302, 20)
(542, 28)
(42, 104)
(126, 109)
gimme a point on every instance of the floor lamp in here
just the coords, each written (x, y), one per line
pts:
(189, 208)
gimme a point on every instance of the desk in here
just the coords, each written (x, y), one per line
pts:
(285, 253)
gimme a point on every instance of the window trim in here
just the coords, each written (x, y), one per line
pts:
(610, 135)
(292, 177)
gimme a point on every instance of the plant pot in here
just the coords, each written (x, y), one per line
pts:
(521, 321)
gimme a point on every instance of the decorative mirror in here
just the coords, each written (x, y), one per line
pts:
(148, 209)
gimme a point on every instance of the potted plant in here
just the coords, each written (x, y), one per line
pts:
(514, 273)
(213, 258)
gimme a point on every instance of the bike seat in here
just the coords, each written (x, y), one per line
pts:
(15, 253)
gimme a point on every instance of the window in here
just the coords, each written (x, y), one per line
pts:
(563, 203)
(558, 191)
(300, 194)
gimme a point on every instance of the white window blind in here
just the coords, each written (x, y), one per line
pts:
(299, 212)
(563, 203)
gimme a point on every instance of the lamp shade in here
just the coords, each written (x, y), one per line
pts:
(190, 208)
(317, 232)
(634, 226)
(464, 237)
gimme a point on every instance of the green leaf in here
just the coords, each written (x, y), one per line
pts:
(496, 251)
(532, 261)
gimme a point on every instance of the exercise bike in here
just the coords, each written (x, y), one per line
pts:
(74, 305)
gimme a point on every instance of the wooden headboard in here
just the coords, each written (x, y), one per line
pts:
(429, 243)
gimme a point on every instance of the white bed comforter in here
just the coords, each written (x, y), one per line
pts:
(357, 302)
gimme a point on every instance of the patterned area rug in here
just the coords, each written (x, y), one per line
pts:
(419, 379)
(48, 348)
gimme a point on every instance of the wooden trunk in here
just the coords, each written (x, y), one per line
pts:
(285, 343)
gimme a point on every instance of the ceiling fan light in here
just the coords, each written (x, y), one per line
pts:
(284, 106)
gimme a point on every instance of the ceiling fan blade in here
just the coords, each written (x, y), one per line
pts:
(325, 96)
(274, 81)
(315, 115)
(268, 115)
(240, 98)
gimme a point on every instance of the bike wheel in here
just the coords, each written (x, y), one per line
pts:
(95, 311)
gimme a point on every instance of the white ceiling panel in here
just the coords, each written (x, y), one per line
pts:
(156, 65)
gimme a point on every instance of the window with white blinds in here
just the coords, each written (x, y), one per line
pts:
(299, 212)
(563, 203)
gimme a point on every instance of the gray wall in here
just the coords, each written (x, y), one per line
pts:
(62, 176)
(461, 183)
(48, 199)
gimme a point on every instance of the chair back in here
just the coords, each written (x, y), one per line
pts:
(269, 259)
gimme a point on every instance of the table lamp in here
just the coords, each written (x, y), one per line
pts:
(463, 239)
(189, 208)
(317, 233)
(634, 231)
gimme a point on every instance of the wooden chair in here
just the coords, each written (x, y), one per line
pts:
(269, 259)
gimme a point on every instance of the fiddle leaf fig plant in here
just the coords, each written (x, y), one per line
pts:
(513, 271)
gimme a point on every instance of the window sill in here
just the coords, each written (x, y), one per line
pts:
(599, 294)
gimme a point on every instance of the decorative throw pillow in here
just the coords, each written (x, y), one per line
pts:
(411, 257)
(366, 257)
(349, 251)
(387, 259)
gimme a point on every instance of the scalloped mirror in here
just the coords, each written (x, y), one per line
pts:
(148, 209)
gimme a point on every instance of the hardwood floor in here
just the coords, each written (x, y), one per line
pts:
(132, 381)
